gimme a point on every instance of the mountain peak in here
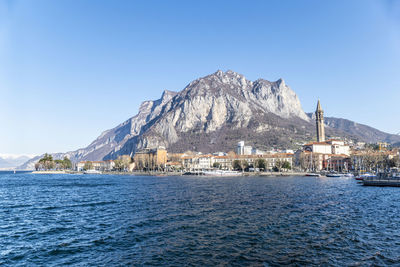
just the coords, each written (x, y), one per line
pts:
(280, 82)
(166, 95)
(220, 73)
(233, 73)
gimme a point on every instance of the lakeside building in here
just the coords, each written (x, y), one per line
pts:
(319, 161)
(173, 166)
(150, 159)
(198, 162)
(256, 151)
(206, 162)
(334, 147)
(106, 165)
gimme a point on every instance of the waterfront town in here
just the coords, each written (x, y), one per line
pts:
(334, 155)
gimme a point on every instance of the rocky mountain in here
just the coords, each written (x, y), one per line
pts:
(213, 113)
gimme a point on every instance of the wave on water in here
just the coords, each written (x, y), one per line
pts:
(175, 221)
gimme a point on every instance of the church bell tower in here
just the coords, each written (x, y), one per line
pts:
(319, 118)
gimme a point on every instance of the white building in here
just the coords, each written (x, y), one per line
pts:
(256, 151)
(205, 162)
(198, 162)
(107, 165)
(240, 148)
(335, 147)
(247, 150)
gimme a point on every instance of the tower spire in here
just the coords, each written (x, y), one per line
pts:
(319, 106)
(319, 119)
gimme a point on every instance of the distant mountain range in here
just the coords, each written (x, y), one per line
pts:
(364, 132)
(213, 113)
(12, 161)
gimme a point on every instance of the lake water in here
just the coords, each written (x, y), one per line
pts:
(196, 221)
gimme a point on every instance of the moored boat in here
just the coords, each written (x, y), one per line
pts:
(348, 175)
(92, 172)
(334, 175)
(313, 174)
(363, 176)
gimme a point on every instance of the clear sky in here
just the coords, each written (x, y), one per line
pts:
(72, 69)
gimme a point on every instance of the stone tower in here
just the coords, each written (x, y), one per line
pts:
(319, 118)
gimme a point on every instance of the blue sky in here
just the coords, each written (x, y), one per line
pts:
(72, 69)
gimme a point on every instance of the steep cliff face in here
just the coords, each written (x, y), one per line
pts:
(212, 113)
(215, 105)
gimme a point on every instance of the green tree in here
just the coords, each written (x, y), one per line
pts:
(67, 163)
(46, 162)
(286, 165)
(261, 164)
(46, 157)
(216, 165)
(236, 165)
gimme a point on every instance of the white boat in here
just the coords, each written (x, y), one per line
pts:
(222, 173)
(92, 172)
(365, 175)
(348, 175)
(333, 175)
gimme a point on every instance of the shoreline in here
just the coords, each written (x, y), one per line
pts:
(142, 173)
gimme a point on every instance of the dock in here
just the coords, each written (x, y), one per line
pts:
(382, 179)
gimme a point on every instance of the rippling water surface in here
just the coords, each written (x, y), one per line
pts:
(195, 221)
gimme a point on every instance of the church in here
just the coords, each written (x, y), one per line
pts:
(330, 154)
(322, 146)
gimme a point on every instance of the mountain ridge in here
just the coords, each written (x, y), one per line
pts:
(212, 113)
